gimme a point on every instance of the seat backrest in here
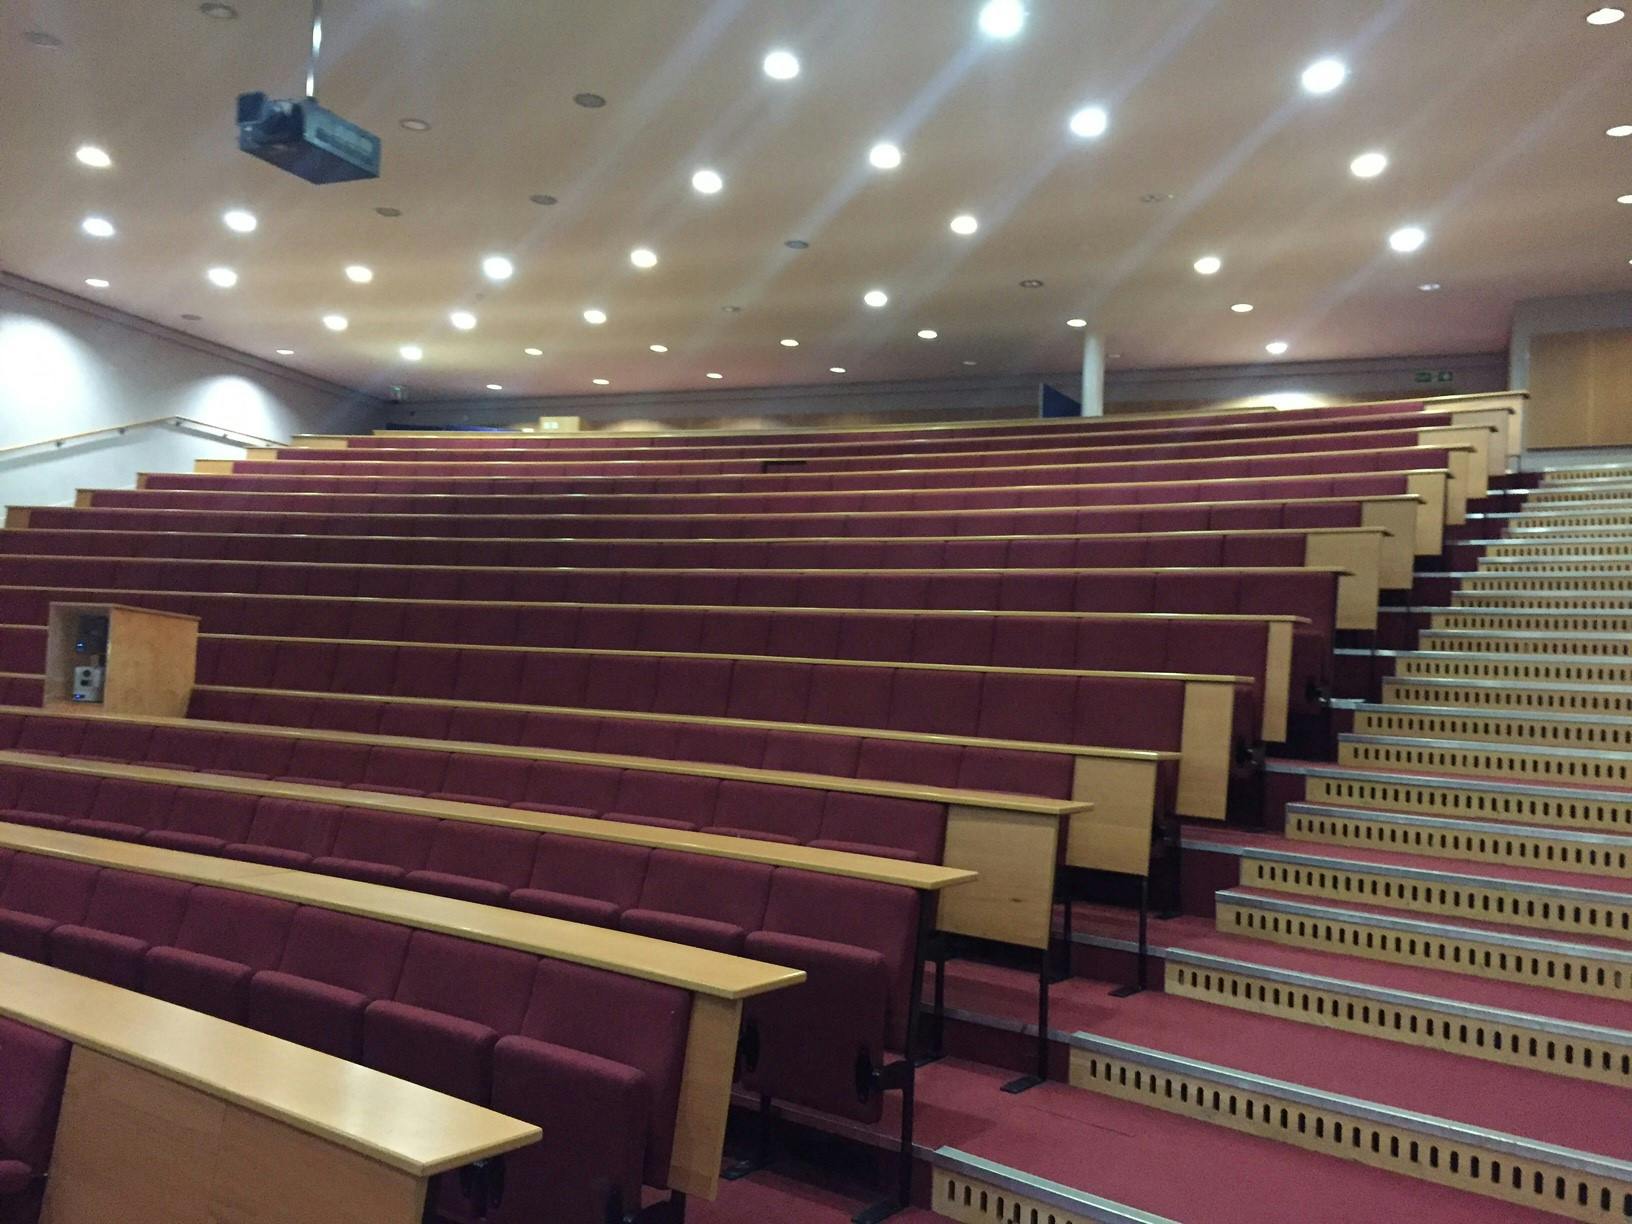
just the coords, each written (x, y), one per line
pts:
(345, 950)
(474, 981)
(48, 887)
(580, 867)
(723, 890)
(148, 908)
(236, 926)
(34, 1070)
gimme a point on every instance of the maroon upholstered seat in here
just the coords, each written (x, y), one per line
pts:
(224, 938)
(127, 915)
(34, 1070)
(334, 965)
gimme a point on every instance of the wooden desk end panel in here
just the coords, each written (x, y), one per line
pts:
(1360, 589)
(1399, 519)
(1430, 517)
(138, 1148)
(1013, 900)
(1206, 745)
(705, 1096)
(1116, 835)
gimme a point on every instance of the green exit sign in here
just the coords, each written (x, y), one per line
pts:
(1432, 376)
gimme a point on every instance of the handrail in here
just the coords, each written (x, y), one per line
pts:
(179, 422)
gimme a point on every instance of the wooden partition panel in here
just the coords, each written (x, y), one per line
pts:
(1581, 383)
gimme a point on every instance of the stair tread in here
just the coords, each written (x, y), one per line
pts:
(1287, 765)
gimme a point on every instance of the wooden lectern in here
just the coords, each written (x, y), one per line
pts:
(149, 658)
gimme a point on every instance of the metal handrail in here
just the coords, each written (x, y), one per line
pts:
(180, 422)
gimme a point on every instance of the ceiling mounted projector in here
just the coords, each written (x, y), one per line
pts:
(306, 139)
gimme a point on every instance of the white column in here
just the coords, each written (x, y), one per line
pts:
(1093, 375)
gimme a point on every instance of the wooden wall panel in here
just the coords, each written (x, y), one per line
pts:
(1581, 389)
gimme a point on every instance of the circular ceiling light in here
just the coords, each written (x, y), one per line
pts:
(1620, 131)
(359, 274)
(643, 257)
(601, 382)
(1625, 199)
(1031, 282)
(929, 333)
(98, 227)
(964, 224)
(221, 12)
(463, 320)
(284, 352)
(336, 322)
(790, 343)
(39, 38)
(876, 298)
(1408, 239)
(494, 387)
(1090, 122)
(658, 348)
(594, 317)
(389, 212)
(837, 370)
(1608, 15)
(797, 244)
(533, 352)
(781, 65)
(1368, 165)
(93, 156)
(732, 309)
(712, 374)
(1208, 265)
(1276, 347)
(1323, 76)
(1076, 322)
(707, 182)
(1242, 308)
(589, 101)
(414, 125)
(884, 156)
(1156, 197)
(96, 282)
(240, 220)
(1001, 18)
(498, 268)
(545, 201)
(222, 278)
(1430, 287)
(411, 352)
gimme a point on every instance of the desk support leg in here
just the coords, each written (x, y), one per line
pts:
(1027, 1082)
(1141, 980)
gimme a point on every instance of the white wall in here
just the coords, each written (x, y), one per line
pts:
(68, 366)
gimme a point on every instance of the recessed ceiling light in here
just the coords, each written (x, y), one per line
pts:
(643, 257)
(498, 268)
(837, 370)
(40, 38)
(222, 278)
(1031, 282)
(463, 320)
(964, 224)
(91, 155)
(533, 352)
(411, 352)
(1368, 165)
(414, 125)
(1207, 265)
(781, 65)
(1608, 15)
(884, 156)
(1156, 197)
(601, 382)
(221, 12)
(712, 374)
(876, 298)
(359, 274)
(494, 387)
(1242, 308)
(1430, 287)
(336, 322)
(1408, 239)
(732, 309)
(284, 352)
(970, 363)
(1323, 76)
(386, 211)
(1076, 322)
(1002, 18)
(544, 200)
(928, 333)
(1625, 199)
(1089, 122)
(240, 220)
(589, 101)
(1620, 130)
(707, 182)
(594, 317)
(1276, 347)
(658, 348)
(96, 282)
(790, 342)
(98, 227)
(193, 318)
(797, 244)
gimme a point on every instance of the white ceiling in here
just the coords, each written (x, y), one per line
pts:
(1492, 111)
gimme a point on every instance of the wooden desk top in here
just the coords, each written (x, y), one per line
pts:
(694, 969)
(925, 877)
(389, 1120)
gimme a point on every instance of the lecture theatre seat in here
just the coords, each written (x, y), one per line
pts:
(592, 1056)
(33, 1071)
